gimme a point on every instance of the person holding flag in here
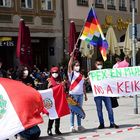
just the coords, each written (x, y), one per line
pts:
(20, 110)
(76, 89)
(53, 81)
(34, 132)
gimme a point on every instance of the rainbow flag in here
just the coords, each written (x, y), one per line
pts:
(92, 33)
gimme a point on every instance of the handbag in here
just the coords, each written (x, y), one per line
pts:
(114, 102)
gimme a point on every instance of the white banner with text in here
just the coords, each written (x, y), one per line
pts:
(115, 82)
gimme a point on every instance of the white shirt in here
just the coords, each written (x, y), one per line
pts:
(78, 90)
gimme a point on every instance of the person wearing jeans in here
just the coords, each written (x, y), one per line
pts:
(76, 90)
(79, 99)
(107, 101)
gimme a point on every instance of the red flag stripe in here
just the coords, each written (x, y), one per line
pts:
(75, 83)
(61, 104)
(26, 101)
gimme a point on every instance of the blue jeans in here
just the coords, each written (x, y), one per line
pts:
(79, 99)
(108, 105)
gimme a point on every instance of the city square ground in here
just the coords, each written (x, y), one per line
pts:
(128, 122)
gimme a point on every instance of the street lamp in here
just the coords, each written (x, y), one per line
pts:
(134, 52)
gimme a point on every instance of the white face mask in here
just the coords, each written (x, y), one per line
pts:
(99, 67)
(25, 73)
(77, 68)
(54, 75)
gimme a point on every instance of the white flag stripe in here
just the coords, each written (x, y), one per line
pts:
(9, 125)
(47, 95)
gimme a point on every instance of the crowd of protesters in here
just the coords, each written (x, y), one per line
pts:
(37, 76)
(33, 75)
(43, 79)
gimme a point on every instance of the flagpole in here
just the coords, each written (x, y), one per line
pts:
(80, 32)
(134, 52)
(78, 38)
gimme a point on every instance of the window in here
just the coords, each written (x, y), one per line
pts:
(5, 3)
(122, 3)
(46, 5)
(111, 4)
(99, 4)
(131, 6)
(122, 6)
(82, 2)
(27, 4)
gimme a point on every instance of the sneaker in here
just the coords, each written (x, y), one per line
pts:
(101, 126)
(114, 126)
(72, 129)
(81, 128)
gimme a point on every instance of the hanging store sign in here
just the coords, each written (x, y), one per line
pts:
(6, 41)
(120, 24)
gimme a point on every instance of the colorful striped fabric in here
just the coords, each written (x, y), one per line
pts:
(92, 33)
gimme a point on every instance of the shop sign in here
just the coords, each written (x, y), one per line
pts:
(7, 43)
(120, 24)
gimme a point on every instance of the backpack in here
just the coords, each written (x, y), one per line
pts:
(32, 133)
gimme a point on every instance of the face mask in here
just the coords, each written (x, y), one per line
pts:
(77, 68)
(55, 75)
(25, 73)
(99, 67)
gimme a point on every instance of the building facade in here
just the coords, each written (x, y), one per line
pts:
(44, 18)
(117, 13)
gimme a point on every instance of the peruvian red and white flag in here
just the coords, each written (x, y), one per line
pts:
(55, 101)
(20, 107)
